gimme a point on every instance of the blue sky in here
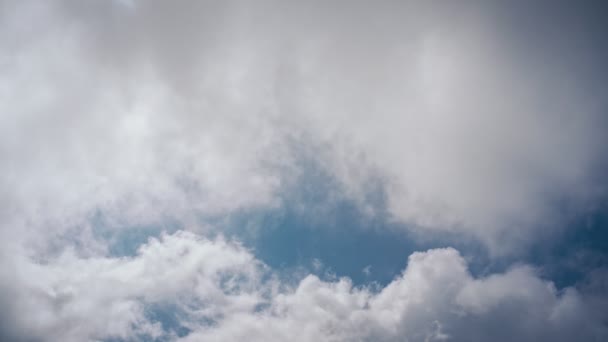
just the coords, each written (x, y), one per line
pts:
(346, 240)
(314, 171)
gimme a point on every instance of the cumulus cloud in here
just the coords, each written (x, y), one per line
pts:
(76, 299)
(219, 292)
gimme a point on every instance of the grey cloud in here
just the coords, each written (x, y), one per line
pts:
(191, 107)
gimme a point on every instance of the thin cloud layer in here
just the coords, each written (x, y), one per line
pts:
(219, 292)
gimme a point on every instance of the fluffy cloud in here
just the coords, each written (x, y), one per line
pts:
(218, 291)
(76, 299)
(435, 299)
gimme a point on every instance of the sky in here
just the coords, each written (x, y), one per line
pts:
(303, 171)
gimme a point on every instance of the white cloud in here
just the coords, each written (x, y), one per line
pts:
(71, 298)
(220, 292)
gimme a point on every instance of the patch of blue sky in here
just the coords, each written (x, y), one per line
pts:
(171, 319)
(170, 316)
(323, 232)
(318, 230)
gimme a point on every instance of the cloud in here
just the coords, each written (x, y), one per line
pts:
(58, 299)
(80, 135)
(146, 110)
(218, 291)
(472, 132)
(367, 270)
(477, 120)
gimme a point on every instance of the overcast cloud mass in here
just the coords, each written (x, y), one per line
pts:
(149, 148)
